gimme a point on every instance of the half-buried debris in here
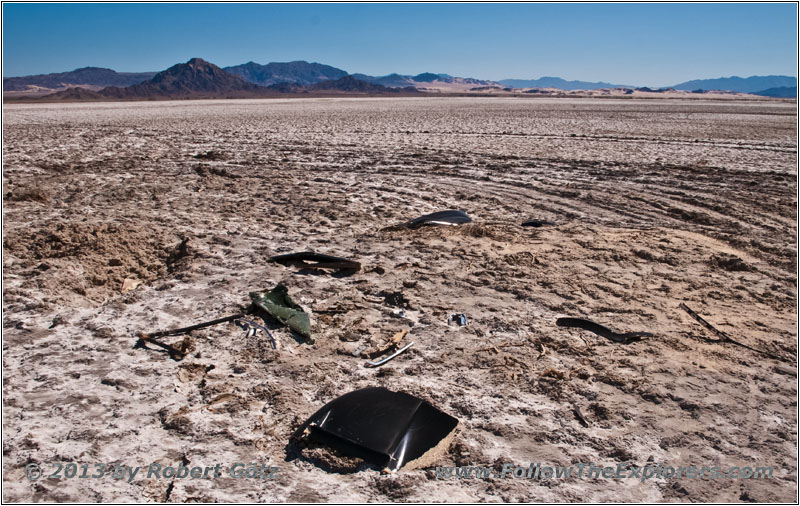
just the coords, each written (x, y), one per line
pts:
(280, 306)
(449, 217)
(600, 330)
(311, 260)
(537, 223)
(391, 430)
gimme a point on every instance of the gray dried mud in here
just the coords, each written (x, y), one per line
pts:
(655, 202)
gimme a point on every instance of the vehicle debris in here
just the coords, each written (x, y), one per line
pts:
(280, 306)
(449, 217)
(311, 260)
(391, 430)
(186, 330)
(725, 338)
(392, 344)
(600, 330)
(252, 328)
(379, 363)
(536, 223)
(175, 353)
(459, 319)
(577, 411)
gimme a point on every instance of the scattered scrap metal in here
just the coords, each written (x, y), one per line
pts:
(252, 328)
(459, 319)
(175, 353)
(393, 343)
(449, 217)
(725, 338)
(379, 363)
(276, 304)
(311, 260)
(600, 330)
(280, 306)
(389, 429)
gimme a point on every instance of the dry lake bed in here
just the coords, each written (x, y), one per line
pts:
(653, 203)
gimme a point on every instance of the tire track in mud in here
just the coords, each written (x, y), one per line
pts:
(704, 209)
(776, 147)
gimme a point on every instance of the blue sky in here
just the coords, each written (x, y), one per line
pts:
(636, 44)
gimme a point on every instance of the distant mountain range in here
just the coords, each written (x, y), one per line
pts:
(200, 78)
(561, 84)
(739, 84)
(87, 76)
(195, 78)
(297, 72)
(779, 92)
(426, 79)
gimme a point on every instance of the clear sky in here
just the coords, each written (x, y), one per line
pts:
(635, 44)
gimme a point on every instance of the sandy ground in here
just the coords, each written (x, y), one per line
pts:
(654, 203)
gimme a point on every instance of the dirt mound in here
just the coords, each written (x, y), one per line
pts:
(28, 195)
(93, 260)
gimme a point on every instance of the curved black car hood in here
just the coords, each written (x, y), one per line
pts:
(388, 428)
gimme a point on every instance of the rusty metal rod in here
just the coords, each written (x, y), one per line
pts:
(185, 330)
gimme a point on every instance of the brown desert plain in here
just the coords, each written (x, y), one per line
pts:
(654, 203)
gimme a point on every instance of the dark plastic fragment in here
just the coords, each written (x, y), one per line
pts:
(312, 260)
(537, 223)
(601, 330)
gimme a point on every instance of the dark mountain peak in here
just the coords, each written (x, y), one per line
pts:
(196, 77)
(426, 77)
(93, 69)
(195, 70)
(198, 62)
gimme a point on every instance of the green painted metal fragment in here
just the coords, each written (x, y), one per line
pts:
(280, 306)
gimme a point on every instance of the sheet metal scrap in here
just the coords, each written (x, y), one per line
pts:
(280, 306)
(725, 338)
(449, 217)
(600, 330)
(389, 429)
(311, 260)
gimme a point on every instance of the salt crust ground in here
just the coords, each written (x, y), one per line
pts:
(655, 202)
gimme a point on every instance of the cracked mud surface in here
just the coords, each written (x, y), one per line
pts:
(655, 202)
